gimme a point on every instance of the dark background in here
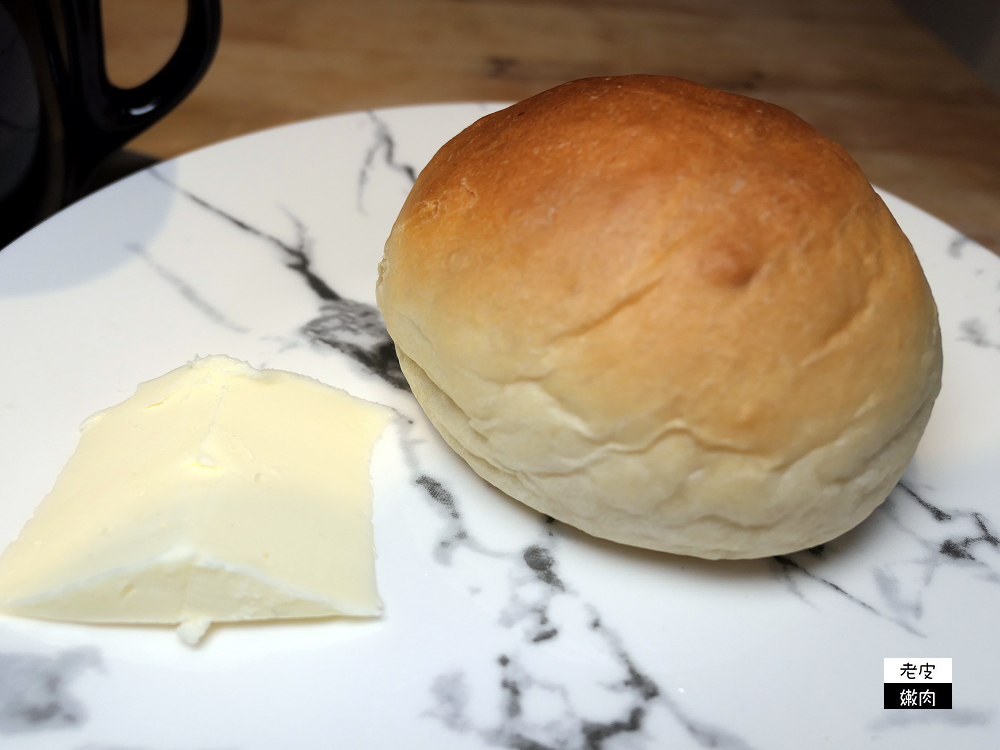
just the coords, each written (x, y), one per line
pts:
(917, 114)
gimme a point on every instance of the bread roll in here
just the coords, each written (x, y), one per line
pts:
(670, 316)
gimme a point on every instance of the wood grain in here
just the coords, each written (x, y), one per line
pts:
(914, 117)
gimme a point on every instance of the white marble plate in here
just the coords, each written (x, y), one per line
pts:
(501, 629)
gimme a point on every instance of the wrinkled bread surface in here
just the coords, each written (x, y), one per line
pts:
(673, 317)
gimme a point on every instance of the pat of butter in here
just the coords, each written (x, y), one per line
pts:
(217, 492)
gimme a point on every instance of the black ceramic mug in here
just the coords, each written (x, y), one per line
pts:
(60, 116)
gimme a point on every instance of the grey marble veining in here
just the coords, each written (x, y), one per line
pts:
(974, 331)
(537, 709)
(384, 145)
(35, 690)
(525, 686)
(353, 328)
(356, 329)
(941, 537)
(980, 331)
(533, 584)
(956, 245)
(185, 290)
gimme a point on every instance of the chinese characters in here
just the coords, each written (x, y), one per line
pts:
(910, 671)
(913, 698)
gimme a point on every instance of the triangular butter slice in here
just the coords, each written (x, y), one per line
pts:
(217, 492)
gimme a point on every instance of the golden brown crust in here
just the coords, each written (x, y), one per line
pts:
(649, 256)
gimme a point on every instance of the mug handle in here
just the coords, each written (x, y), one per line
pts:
(110, 116)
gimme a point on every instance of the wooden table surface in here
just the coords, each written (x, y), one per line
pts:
(914, 117)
